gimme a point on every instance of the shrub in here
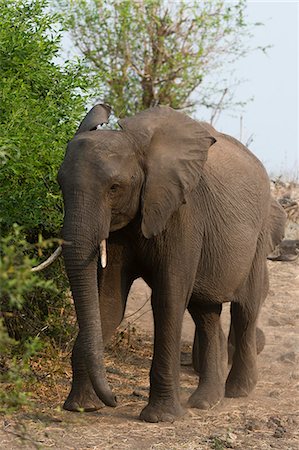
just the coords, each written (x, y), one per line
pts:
(41, 102)
(17, 284)
(31, 304)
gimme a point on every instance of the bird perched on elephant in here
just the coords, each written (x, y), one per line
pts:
(189, 210)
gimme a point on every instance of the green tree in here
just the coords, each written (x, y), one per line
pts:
(17, 281)
(40, 103)
(150, 52)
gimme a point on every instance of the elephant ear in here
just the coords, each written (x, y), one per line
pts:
(98, 115)
(175, 148)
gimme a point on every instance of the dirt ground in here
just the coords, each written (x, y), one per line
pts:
(267, 419)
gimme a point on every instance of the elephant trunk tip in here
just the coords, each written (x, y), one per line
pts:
(102, 389)
(108, 398)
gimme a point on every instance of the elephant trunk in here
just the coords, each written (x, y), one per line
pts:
(81, 255)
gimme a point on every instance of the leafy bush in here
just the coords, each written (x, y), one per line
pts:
(41, 102)
(15, 371)
(15, 269)
(17, 284)
(34, 313)
(28, 301)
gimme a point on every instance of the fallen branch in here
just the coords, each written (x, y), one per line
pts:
(49, 261)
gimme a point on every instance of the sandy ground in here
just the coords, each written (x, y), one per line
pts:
(267, 419)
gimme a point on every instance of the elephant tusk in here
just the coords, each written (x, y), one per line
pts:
(103, 253)
(48, 261)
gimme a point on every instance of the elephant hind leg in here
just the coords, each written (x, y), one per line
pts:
(260, 342)
(209, 355)
(243, 374)
(260, 336)
(244, 314)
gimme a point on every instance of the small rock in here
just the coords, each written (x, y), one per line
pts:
(252, 424)
(279, 432)
(288, 357)
(136, 394)
(275, 424)
(274, 394)
(231, 439)
(273, 421)
(295, 375)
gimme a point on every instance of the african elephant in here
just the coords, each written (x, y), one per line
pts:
(186, 208)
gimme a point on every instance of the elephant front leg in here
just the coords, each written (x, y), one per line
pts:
(168, 308)
(209, 355)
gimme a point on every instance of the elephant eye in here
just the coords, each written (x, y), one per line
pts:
(114, 188)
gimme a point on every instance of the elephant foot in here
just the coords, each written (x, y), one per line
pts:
(162, 411)
(240, 385)
(83, 401)
(206, 396)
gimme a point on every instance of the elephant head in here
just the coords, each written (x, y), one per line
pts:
(108, 177)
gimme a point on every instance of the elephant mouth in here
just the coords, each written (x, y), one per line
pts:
(120, 220)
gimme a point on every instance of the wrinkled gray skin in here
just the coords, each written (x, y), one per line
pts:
(189, 210)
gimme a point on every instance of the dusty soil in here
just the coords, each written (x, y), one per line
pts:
(267, 419)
